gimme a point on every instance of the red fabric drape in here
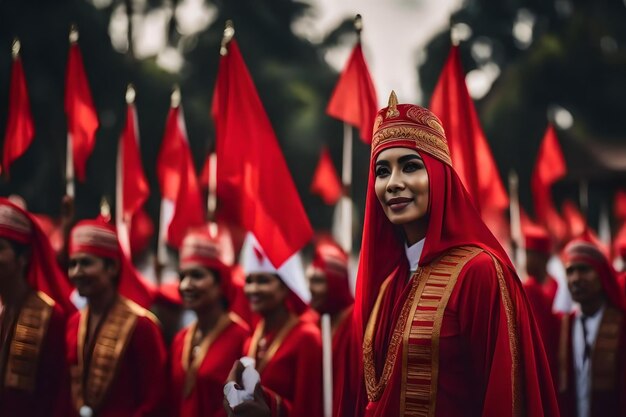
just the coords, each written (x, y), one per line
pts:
(20, 126)
(354, 99)
(549, 168)
(254, 186)
(82, 119)
(177, 179)
(326, 182)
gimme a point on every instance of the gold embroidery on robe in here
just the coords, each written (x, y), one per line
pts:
(274, 346)
(420, 349)
(27, 341)
(108, 351)
(604, 363)
(191, 367)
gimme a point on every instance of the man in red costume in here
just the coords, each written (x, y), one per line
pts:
(115, 349)
(35, 304)
(446, 328)
(592, 351)
(330, 294)
(286, 349)
(203, 353)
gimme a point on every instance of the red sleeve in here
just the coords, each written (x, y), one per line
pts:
(501, 335)
(148, 348)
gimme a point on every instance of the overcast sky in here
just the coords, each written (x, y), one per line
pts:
(393, 36)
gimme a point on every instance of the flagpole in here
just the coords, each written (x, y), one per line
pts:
(327, 364)
(69, 160)
(212, 194)
(122, 223)
(517, 237)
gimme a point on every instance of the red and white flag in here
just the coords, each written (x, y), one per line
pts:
(254, 185)
(181, 207)
(82, 119)
(132, 189)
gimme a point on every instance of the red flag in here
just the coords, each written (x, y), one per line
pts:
(177, 179)
(20, 127)
(82, 120)
(549, 168)
(354, 98)
(326, 182)
(471, 156)
(132, 186)
(619, 205)
(254, 186)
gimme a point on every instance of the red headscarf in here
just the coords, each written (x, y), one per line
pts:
(453, 218)
(98, 238)
(330, 258)
(43, 272)
(585, 250)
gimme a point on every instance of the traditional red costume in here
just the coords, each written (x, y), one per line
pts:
(197, 380)
(121, 371)
(607, 369)
(333, 262)
(289, 359)
(33, 378)
(455, 338)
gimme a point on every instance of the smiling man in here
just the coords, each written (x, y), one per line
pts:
(592, 351)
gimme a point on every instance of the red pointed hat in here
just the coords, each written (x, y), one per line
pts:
(43, 272)
(585, 249)
(536, 237)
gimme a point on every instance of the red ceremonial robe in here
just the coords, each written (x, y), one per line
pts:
(472, 348)
(43, 389)
(197, 387)
(608, 379)
(128, 357)
(291, 369)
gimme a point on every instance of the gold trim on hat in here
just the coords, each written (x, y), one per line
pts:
(423, 140)
(392, 107)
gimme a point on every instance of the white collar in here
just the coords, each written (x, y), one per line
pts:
(414, 253)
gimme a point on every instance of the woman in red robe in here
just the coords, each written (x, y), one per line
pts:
(35, 301)
(203, 353)
(115, 349)
(330, 294)
(446, 327)
(287, 350)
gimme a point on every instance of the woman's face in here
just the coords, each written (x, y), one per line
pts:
(92, 275)
(266, 292)
(402, 185)
(318, 285)
(199, 287)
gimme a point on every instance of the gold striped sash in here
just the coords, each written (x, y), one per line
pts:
(420, 353)
(25, 346)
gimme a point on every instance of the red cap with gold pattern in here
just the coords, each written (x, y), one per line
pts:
(409, 126)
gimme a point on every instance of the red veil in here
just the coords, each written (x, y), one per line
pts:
(453, 221)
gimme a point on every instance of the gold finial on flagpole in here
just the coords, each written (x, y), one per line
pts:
(358, 25)
(392, 110)
(130, 94)
(15, 48)
(175, 98)
(73, 33)
(105, 209)
(229, 33)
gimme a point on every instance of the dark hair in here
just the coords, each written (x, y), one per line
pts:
(19, 248)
